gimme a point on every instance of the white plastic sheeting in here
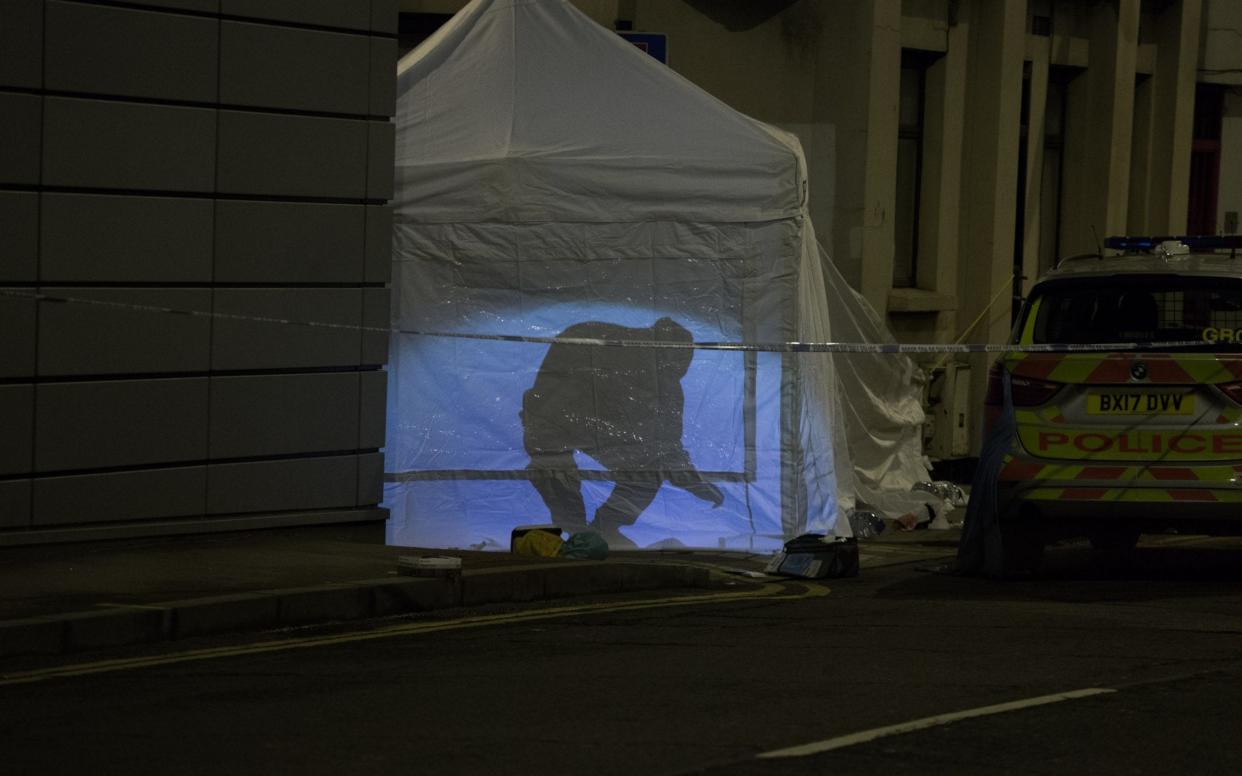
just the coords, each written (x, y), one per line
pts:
(552, 180)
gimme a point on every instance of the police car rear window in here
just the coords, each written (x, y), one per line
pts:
(1163, 308)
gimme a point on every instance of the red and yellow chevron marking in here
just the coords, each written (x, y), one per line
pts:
(1019, 470)
(1114, 368)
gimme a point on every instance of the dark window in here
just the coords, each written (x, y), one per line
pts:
(909, 166)
(1205, 160)
(1142, 308)
(1053, 173)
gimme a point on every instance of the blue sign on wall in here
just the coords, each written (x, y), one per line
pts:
(654, 43)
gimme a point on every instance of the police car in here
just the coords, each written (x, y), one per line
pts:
(1111, 444)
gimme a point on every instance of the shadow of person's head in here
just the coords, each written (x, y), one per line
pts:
(673, 361)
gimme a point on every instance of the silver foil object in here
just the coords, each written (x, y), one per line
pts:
(944, 490)
(866, 524)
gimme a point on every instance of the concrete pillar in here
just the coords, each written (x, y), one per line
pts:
(1173, 102)
(857, 87)
(1039, 53)
(941, 189)
(1100, 123)
(990, 175)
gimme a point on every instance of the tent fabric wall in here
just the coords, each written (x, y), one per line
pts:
(549, 176)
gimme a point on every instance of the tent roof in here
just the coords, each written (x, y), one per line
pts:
(527, 110)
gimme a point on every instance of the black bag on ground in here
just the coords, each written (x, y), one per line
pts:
(811, 557)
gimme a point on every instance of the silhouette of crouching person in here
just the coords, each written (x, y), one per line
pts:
(620, 406)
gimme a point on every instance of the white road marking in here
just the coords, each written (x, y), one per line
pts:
(862, 737)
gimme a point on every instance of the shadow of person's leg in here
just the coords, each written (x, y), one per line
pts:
(555, 476)
(623, 507)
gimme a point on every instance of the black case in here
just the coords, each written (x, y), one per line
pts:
(810, 557)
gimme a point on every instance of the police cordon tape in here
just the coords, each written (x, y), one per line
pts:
(760, 347)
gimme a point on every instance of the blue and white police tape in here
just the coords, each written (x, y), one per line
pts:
(758, 347)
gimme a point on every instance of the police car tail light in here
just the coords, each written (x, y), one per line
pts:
(1232, 390)
(1026, 392)
(1029, 393)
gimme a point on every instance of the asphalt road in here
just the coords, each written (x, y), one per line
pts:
(635, 685)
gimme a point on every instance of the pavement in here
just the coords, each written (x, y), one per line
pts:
(72, 598)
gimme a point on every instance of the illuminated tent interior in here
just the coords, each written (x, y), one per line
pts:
(550, 175)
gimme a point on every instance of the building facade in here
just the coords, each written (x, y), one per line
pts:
(957, 148)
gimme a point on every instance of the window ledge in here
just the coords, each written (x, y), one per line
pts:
(917, 300)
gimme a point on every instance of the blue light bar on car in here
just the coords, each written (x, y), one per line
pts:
(1194, 243)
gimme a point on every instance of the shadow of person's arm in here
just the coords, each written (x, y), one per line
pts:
(706, 491)
(690, 480)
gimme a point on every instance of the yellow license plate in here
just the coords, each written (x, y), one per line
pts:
(1150, 403)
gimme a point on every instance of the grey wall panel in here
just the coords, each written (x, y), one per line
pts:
(269, 154)
(283, 414)
(130, 52)
(375, 315)
(84, 339)
(210, 6)
(280, 67)
(21, 43)
(266, 486)
(383, 97)
(17, 334)
(379, 244)
(14, 503)
(19, 235)
(370, 479)
(269, 242)
(373, 400)
(99, 238)
(17, 420)
(268, 208)
(21, 116)
(381, 140)
(241, 344)
(111, 144)
(120, 423)
(115, 496)
(350, 14)
(384, 15)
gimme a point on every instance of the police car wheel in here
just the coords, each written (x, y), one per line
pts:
(1113, 539)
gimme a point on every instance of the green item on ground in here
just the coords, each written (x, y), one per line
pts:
(586, 545)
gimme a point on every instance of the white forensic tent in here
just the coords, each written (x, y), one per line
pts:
(554, 181)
